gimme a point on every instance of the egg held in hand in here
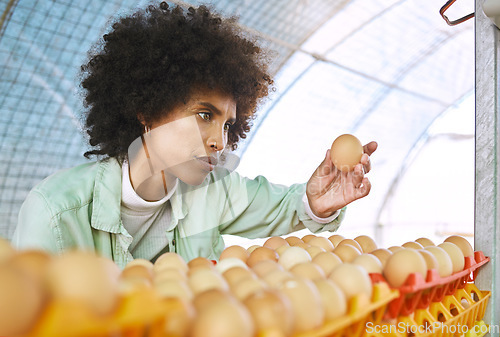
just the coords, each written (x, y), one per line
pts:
(346, 152)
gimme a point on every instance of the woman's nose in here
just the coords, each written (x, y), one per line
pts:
(218, 141)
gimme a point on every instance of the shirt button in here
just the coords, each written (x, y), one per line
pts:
(173, 242)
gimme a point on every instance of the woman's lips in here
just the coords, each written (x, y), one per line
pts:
(207, 162)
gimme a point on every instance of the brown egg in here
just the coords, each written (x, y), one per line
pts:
(128, 286)
(223, 318)
(462, 243)
(228, 263)
(306, 303)
(174, 289)
(200, 262)
(332, 297)
(181, 315)
(430, 260)
(247, 287)
(403, 263)
(327, 261)
(425, 242)
(110, 266)
(22, 301)
(369, 262)
(292, 240)
(395, 248)
(302, 245)
(292, 256)
(204, 279)
(456, 255)
(346, 252)
(275, 278)
(33, 262)
(308, 270)
(264, 267)
(382, 254)
(350, 242)
(412, 245)
(142, 262)
(252, 248)
(308, 237)
(204, 300)
(281, 249)
(137, 271)
(445, 265)
(275, 242)
(314, 250)
(169, 274)
(262, 253)
(236, 274)
(352, 279)
(346, 152)
(366, 243)
(195, 269)
(235, 251)
(321, 242)
(84, 277)
(335, 239)
(271, 312)
(170, 260)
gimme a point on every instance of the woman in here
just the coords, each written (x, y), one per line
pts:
(166, 92)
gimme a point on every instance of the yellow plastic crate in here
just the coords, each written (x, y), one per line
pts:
(138, 314)
(442, 319)
(360, 311)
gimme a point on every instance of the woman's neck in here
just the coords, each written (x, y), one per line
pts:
(151, 186)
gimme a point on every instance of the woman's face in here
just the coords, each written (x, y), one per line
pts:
(186, 144)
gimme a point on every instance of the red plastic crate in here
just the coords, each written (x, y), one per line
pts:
(417, 293)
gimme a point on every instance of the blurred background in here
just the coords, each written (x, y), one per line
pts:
(391, 71)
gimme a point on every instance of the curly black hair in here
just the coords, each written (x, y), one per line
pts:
(149, 63)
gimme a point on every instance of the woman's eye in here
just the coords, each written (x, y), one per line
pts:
(205, 116)
(227, 126)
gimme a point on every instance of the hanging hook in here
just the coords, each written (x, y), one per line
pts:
(454, 22)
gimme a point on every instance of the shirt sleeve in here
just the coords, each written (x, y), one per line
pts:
(256, 208)
(35, 228)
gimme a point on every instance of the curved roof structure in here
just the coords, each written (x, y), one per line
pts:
(384, 70)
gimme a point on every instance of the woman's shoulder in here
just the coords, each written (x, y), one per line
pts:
(77, 182)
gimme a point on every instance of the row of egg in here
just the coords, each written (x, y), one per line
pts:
(395, 262)
(31, 279)
(204, 298)
(287, 285)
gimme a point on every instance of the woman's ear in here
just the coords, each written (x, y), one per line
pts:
(141, 119)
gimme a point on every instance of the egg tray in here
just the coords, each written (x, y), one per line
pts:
(360, 311)
(417, 293)
(449, 317)
(142, 314)
(138, 314)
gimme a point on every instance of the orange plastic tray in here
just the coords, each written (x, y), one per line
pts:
(417, 293)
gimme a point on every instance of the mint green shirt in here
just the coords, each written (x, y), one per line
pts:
(80, 208)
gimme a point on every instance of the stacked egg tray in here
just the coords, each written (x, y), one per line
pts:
(436, 306)
(143, 314)
(360, 314)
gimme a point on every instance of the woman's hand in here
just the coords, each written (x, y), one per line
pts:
(330, 189)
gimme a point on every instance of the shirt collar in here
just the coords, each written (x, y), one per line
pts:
(107, 197)
(132, 201)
